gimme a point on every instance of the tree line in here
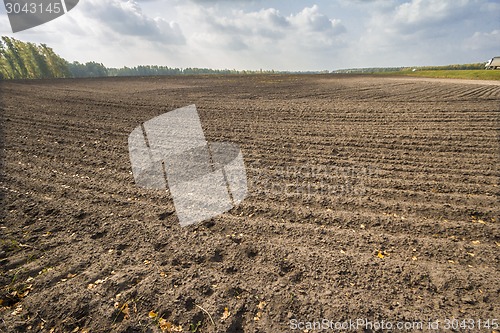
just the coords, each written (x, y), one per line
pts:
(93, 69)
(20, 60)
(453, 67)
(24, 60)
(418, 68)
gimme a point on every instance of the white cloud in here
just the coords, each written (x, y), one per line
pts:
(429, 15)
(422, 32)
(265, 38)
(126, 18)
(489, 41)
(277, 34)
(114, 32)
(269, 28)
(311, 19)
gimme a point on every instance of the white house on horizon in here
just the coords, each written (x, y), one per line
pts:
(493, 63)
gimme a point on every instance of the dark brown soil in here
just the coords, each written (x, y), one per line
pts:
(369, 198)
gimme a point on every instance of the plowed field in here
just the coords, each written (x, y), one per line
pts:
(373, 199)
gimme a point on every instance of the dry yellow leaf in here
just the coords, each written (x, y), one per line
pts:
(380, 255)
(226, 314)
(24, 293)
(261, 305)
(165, 325)
(17, 311)
(125, 310)
(152, 314)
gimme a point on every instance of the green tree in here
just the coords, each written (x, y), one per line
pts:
(57, 66)
(20, 60)
(16, 61)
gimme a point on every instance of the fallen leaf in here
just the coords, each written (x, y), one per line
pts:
(26, 291)
(380, 255)
(226, 314)
(17, 311)
(165, 325)
(476, 242)
(261, 305)
(152, 314)
(125, 310)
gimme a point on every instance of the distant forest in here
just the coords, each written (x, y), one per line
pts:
(420, 68)
(22, 60)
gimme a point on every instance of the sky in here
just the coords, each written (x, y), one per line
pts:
(273, 34)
